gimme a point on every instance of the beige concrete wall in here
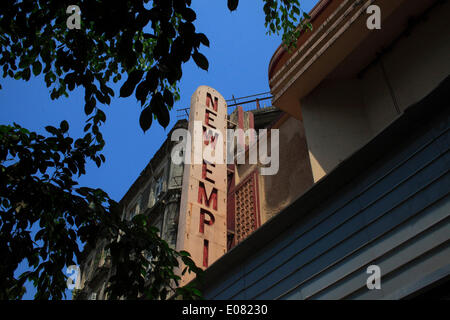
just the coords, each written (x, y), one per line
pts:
(416, 65)
(341, 115)
(421, 61)
(335, 124)
(378, 103)
(190, 237)
(294, 176)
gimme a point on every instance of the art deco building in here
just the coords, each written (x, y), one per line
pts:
(156, 193)
(363, 177)
(374, 106)
(162, 191)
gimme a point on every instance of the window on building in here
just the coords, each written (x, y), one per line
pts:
(158, 222)
(158, 187)
(133, 211)
(145, 197)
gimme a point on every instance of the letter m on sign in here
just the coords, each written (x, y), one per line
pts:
(203, 197)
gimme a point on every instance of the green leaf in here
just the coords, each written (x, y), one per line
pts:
(138, 47)
(160, 110)
(51, 130)
(196, 292)
(101, 116)
(168, 97)
(87, 127)
(184, 253)
(232, 4)
(128, 87)
(98, 162)
(89, 106)
(37, 67)
(201, 60)
(142, 92)
(145, 119)
(188, 14)
(203, 39)
(64, 125)
(26, 74)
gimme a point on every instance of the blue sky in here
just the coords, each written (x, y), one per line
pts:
(239, 56)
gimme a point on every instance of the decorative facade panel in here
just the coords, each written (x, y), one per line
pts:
(247, 208)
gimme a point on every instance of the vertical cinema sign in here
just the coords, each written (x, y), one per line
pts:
(202, 223)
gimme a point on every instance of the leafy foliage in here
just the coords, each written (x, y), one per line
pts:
(144, 265)
(283, 16)
(146, 40)
(37, 188)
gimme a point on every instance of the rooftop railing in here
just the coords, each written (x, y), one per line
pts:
(248, 103)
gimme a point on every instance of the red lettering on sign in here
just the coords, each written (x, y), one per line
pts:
(203, 220)
(208, 118)
(205, 253)
(206, 170)
(202, 196)
(210, 136)
(209, 102)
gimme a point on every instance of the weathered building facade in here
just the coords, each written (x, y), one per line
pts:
(363, 171)
(374, 105)
(206, 208)
(156, 193)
